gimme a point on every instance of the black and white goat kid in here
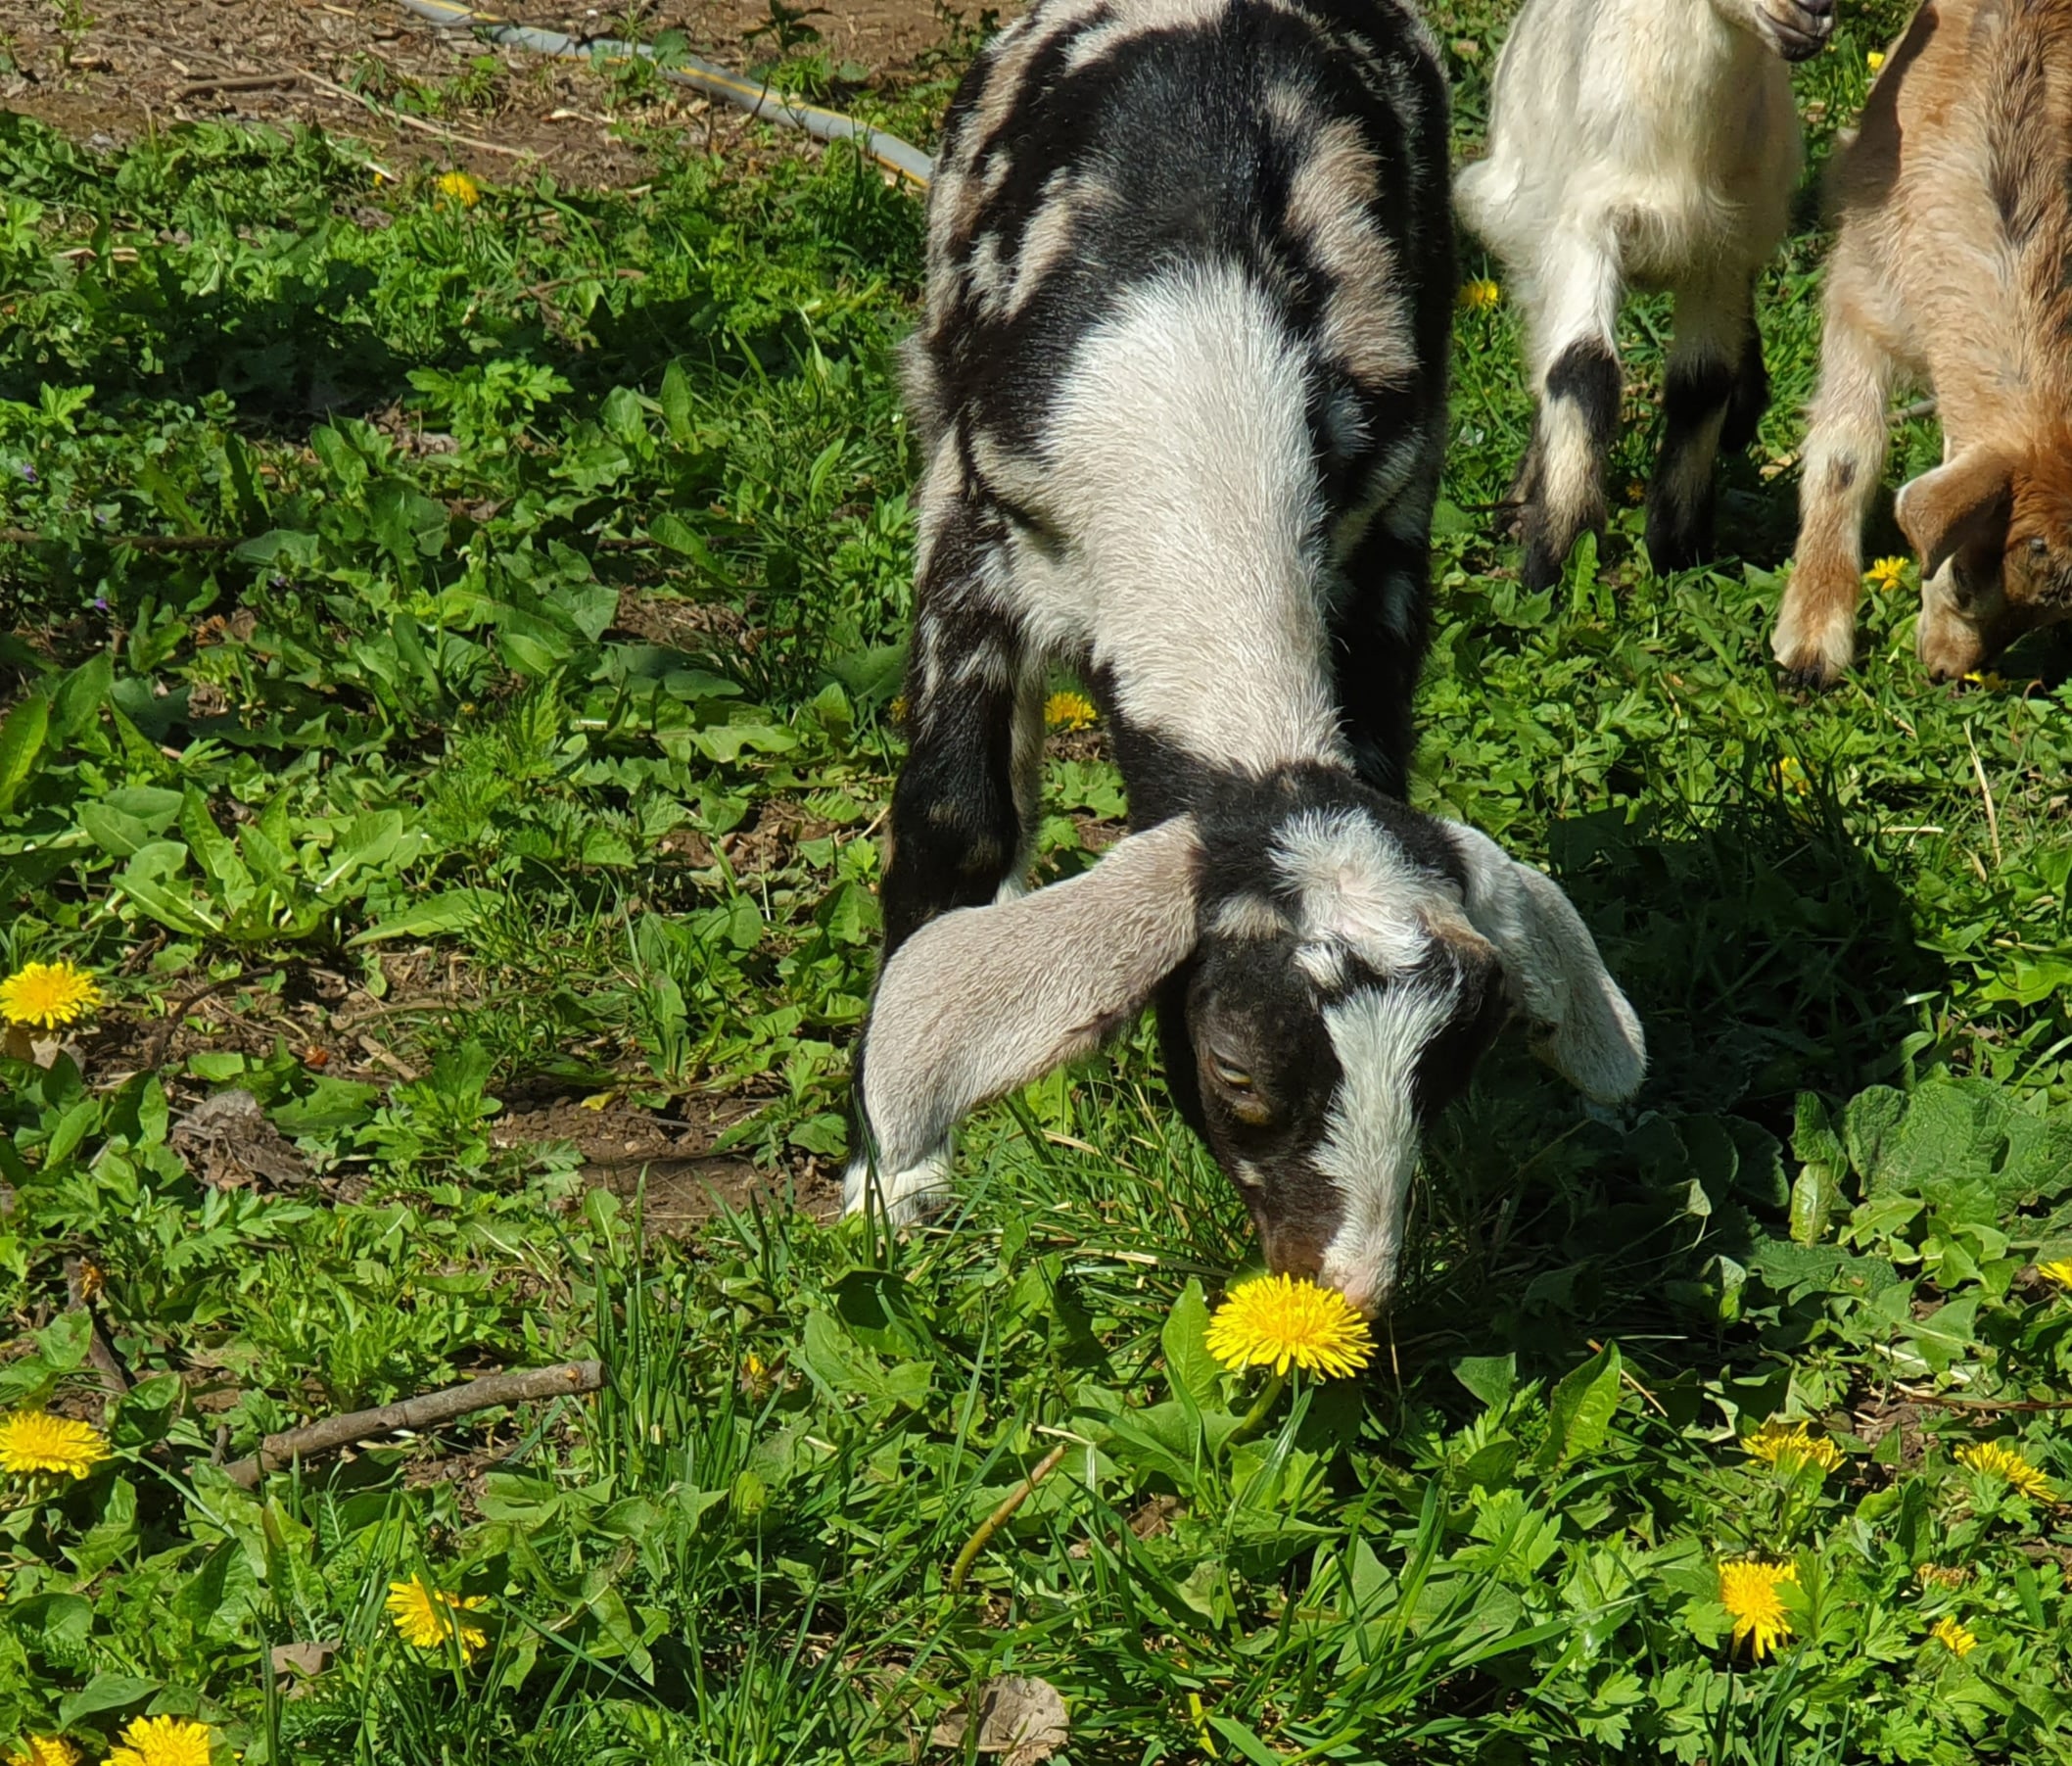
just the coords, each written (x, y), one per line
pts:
(1181, 383)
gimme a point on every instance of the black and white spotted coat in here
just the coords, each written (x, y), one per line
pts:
(1182, 383)
(1181, 392)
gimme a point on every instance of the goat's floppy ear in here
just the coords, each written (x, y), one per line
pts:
(985, 999)
(1584, 1029)
(1956, 507)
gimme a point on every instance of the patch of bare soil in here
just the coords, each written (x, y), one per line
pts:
(1876, 1412)
(111, 70)
(694, 627)
(670, 1159)
(890, 37)
(338, 1030)
(315, 1008)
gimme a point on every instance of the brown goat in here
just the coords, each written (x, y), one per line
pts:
(1953, 269)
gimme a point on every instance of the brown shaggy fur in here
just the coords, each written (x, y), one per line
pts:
(1953, 269)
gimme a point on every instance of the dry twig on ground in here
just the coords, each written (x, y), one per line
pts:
(328, 1434)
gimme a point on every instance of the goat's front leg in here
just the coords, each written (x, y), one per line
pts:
(1575, 381)
(1380, 632)
(967, 799)
(1751, 394)
(963, 807)
(1711, 384)
(1846, 442)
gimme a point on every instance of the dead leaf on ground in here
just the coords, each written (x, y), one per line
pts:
(294, 1665)
(230, 1139)
(1018, 1716)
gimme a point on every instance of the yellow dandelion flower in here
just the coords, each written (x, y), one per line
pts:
(427, 1616)
(1277, 1321)
(898, 708)
(163, 1741)
(1987, 678)
(34, 1441)
(1874, 60)
(2058, 1271)
(756, 1378)
(1996, 1461)
(1480, 296)
(1068, 711)
(461, 187)
(1953, 1637)
(45, 1750)
(1749, 1592)
(49, 995)
(1887, 573)
(1789, 1448)
(1791, 776)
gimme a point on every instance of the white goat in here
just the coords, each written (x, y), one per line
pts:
(1650, 144)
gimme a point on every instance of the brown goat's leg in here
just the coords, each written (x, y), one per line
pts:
(1815, 634)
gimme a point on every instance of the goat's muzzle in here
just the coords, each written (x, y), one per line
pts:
(1801, 28)
(1367, 1301)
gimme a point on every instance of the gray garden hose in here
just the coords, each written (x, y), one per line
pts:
(716, 82)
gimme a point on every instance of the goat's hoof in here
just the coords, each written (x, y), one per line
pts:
(904, 1198)
(1808, 674)
(1800, 28)
(1542, 568)
(1812, 649)
(1685, 552)
(1680, 538)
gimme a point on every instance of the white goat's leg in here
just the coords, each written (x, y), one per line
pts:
(911, 1192)
(1707, 358)
(1575, 380)
(1751, 395)
(1846, 442)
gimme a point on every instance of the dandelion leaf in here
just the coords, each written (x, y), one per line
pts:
(1579, 1410)
(1490, 1378)
(1184, 1337)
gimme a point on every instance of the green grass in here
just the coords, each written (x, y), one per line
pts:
(441, 734)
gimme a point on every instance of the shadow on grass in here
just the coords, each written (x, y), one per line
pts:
(1769, 954)
(306, 355)
(277, 305)
(1766, 951)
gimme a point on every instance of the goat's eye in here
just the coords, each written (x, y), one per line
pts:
(2039, 546)
(1244, 1101)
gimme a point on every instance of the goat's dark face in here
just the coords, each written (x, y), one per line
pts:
(1321, 1024)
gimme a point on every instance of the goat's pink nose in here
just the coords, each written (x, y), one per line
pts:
(1363, 1293)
